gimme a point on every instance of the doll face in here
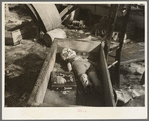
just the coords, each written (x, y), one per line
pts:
(67, 53)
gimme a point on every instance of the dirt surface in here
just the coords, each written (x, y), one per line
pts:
(23, 63)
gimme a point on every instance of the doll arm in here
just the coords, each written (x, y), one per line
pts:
(69, 66)
(93, 63)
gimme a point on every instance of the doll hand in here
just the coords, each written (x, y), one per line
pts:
(93, 63)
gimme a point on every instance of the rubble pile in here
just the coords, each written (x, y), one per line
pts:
(131, 87)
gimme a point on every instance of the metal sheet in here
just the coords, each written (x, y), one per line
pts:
(47, 14)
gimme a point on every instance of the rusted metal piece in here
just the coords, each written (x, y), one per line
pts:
(48, 18)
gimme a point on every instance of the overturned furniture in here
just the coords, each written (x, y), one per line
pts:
(43, 96)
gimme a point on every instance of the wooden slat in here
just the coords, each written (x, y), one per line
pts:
(39, 90)
(118, 52)
(112, 64)
(66, 10)
(112, 20)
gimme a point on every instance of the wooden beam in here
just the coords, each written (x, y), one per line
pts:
(39, 90)
(118, 52)
(112, 19)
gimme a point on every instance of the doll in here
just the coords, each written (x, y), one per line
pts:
(83, 68)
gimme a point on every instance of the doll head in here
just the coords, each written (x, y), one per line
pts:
(67, 53)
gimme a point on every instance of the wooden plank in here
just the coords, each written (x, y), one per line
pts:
(39, 90)
(112, 20)
(118, 51)
(108, 90)
(66, 10)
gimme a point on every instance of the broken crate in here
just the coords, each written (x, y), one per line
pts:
(43, 96)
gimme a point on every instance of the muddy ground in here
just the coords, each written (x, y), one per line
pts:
(23, 63)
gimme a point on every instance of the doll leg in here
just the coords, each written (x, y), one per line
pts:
(95, 80)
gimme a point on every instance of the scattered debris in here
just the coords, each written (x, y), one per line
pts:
(136, 102)
(123, 95)
(138, 68)
(81, 31)
(76, 24)
(127, 94)
(13, 36)
(13, 71)
(127, 41)
(131, 76)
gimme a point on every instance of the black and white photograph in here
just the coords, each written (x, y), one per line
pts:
(76, 60)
